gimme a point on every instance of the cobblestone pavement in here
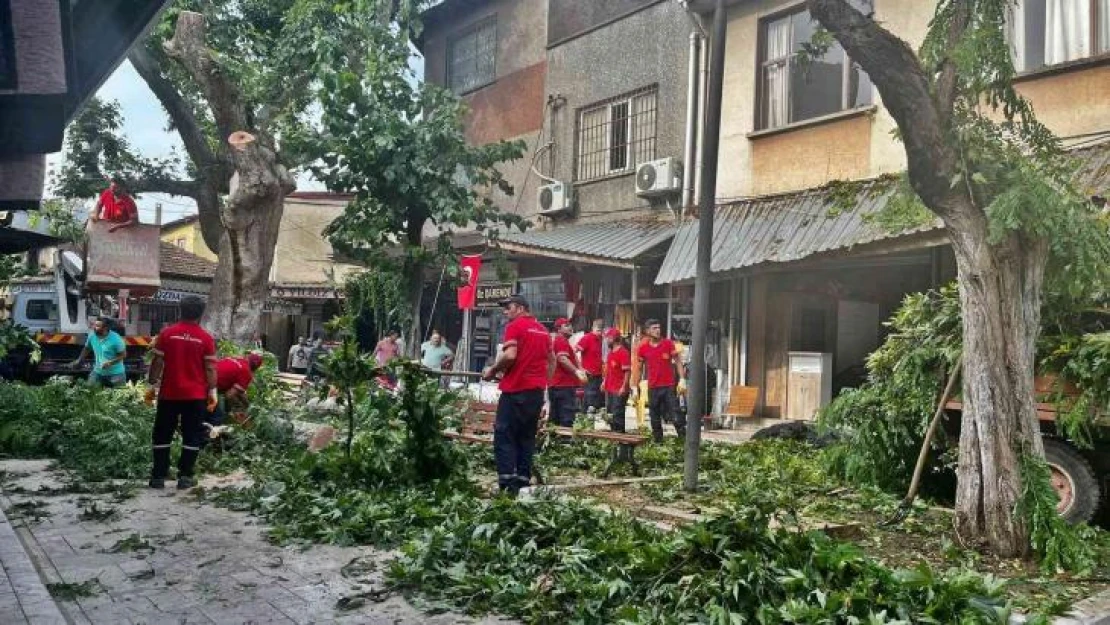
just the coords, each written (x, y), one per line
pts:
(160, 557)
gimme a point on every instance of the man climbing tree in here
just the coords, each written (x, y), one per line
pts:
(980, 161)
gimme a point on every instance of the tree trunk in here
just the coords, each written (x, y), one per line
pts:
(252, 214)
(251, 217)
(1000, 297)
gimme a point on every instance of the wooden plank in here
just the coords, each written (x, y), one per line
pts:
(757, 327)
(616, 437)
(778, 342)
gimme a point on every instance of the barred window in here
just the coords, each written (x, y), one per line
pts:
(617, 134)
(472, 57)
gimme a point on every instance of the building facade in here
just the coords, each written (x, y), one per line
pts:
(802, 284)
(613, 97)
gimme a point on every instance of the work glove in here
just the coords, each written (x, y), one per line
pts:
(681, 387)
(150, 395)
(213, 401)
(582, 377)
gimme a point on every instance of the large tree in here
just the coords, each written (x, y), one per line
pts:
(398, 145)
(223, 68)
(998, 179)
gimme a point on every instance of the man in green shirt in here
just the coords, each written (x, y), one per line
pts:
(109, 351)
(435, 352)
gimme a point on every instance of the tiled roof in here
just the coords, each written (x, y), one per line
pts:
(178, 262)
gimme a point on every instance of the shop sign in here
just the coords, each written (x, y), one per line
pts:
(282, 307)
(489, 295)
(304, 292)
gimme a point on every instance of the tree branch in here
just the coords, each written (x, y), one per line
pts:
(946, 83)
(904, 86)
(184, 188)
(188, 47)
(179, 110)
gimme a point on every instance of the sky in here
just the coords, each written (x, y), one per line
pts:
(144, 125)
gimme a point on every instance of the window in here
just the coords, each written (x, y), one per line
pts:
(7, 47)
(1049, 32)
(180, 243)
(616, 135)
(794, 88)
(41, 310)
(471, 57)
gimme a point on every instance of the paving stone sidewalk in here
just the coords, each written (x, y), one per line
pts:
(167, 558)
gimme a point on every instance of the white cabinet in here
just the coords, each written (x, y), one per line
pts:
(809, 384)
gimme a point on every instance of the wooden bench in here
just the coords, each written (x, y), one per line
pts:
(622, 441)
(742, 401)
(477, 427)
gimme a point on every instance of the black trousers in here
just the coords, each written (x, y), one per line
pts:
(616, 406)
(564, 404)
(514, 437)
(663, 406)
(171, 416)
(593, 396)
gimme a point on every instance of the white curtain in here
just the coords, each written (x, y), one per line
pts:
(1067, 30)
(778, 72)
(1015, 34)
(1104, 25)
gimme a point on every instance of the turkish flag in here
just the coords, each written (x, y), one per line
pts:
(470, 266)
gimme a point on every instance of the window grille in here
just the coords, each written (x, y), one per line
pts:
(616, 134)
(472, 57)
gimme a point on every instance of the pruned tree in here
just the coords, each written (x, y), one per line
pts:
(398, 145)
(978, 158)
(222, 68)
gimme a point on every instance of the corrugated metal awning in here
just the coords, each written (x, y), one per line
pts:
(780, 229)
(795, 226)
(617, 244)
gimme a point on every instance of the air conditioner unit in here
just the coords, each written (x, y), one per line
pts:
(555, 199)
(659, 177)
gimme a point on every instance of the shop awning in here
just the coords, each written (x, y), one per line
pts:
(760, 232)
(616, 244)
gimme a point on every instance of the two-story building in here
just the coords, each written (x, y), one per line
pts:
(599, 92)
(802, 286)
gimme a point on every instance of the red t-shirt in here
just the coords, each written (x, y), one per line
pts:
(659, 362)
(561, 377)
(185, 348)
(118, 209)
(233, 372)
(590, 348)
(533, 346)
(617, 366)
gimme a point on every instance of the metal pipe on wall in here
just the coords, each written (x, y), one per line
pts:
(745, 290)
(699, 139)
(692, 125)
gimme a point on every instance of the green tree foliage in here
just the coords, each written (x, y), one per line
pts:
(399, 146)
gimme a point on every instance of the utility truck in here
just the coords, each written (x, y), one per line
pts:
(101, 280)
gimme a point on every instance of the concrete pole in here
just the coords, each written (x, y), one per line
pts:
(695, 398)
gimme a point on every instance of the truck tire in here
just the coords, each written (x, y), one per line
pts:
(1074, 480)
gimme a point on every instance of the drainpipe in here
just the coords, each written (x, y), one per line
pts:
(745, 290)
(703, 85)
(692, 125)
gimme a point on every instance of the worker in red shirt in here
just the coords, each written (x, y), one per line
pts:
(660, 358)
(589, 354)
(183, 378)
(618, 371)
(233, 378)
(562, 391)
(115, 205)
(523, 363)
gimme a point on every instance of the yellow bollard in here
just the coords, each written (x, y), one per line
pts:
(640, 404)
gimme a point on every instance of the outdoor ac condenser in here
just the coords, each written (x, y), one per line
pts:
(555, 199)
(659, 177)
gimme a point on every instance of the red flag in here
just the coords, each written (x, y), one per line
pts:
(470, 266)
